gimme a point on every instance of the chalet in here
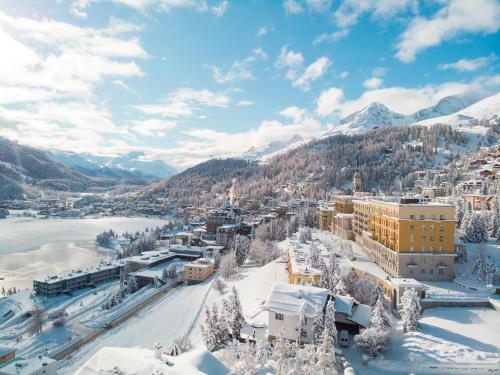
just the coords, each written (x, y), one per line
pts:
(286, 301)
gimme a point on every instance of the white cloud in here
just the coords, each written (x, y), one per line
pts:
(261, 32)
(292, 62)
(244, 103)
(220, 8)
(79, 7)
(319, 6)
(289, 59)
(332, 37)
(329, 101)
(349, 11)
(292, 7)
(239, 70)
(209, 142)
(344, 74)
(153, 127)
(294, 113)
(312, 73)
(373, 83)
(470, 65)
(456, 18)
(420, 97)
(184, 102)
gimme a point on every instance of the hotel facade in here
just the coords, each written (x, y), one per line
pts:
(407, 238)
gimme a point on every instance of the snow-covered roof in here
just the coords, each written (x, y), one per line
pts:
(29, 366)
(406, 283)
(50, 279)
(140, 361)
(361, 315)
(299, 254)
(343, 304)
(289, 299)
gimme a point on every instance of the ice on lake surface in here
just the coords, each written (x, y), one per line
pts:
(39, 247)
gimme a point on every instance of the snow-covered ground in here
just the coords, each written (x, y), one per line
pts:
(181, 313)
(451, 340)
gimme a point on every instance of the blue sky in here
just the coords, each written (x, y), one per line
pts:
(184, 80)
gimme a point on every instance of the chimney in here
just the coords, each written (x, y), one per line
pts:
(301, 293)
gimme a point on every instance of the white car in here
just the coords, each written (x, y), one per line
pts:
(344, 338)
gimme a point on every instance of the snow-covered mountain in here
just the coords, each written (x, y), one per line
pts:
(376, 115)
(445, 106)
(469, 118)
(267, 151)
(458, 111)
(130, 165)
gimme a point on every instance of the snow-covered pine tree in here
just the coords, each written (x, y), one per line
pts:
(293, 226)
(380, 318)
(467, 215)
(410, 310)
(216, 257)
(493, 223)
(301, 323)
(340, 288)
(330, 321)
(240, 245)
(326, 353)
(460, 211)
(131, 284)
(325, 280)
(208, 331)
(281, 354)
(314, 256)
(476, 230)
(318, 323)
(490, 269)
(235, 313)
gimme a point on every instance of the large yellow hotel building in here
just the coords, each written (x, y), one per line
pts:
(407, 238)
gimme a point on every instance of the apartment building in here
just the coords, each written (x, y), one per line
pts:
(325, 217)
(77, 279)
(407, 238)
(199, 270)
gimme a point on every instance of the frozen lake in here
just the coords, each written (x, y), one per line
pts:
(38, 247)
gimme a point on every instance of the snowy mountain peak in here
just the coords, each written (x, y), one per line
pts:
(446, 106)
(374, 115)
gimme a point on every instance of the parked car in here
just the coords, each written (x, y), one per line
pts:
(344, 338)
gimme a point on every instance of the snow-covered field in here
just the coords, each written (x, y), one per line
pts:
(451, 340)
(181, 313)
(38, 247)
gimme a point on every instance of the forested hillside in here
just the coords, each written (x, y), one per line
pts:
(385, 157)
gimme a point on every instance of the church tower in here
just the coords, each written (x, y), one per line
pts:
(356, 182)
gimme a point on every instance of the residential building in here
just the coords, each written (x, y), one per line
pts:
(217, 218)
(300, 270)
(199, 270)
(408, 238)
(325, 217)
(77, 279)
(285, 303)
(225, 234)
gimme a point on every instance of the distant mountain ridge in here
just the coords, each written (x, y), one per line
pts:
(22, 167)
(451, 110)
(124, 166)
